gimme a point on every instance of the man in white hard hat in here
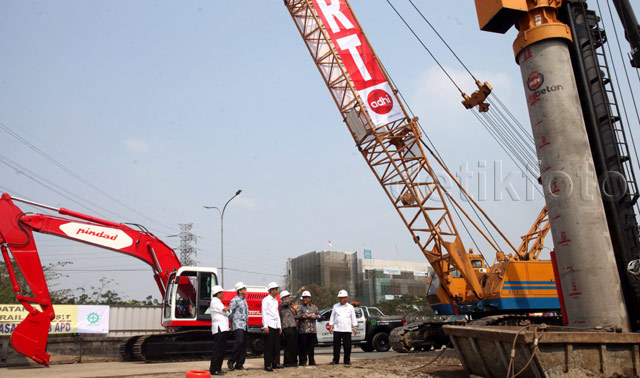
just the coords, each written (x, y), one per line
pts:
(239, 317)
(342, 324)
(306, 315)
(287, 317)
(272, 328)
(219, 329)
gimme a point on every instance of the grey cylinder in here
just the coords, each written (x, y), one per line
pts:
(586, 262)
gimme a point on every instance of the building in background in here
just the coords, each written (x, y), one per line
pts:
(324, 268)
(367, 280)
(380, 280)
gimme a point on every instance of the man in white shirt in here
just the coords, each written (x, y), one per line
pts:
(219, 329)
(272, 328)
(342, 324)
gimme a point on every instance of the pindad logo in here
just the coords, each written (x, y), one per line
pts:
(106, 236)
(380, 101)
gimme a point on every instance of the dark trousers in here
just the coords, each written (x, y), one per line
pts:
(345, 339)
(217, 355)
(290, 346)
(306, 348)
(239, 352)
(272, 348)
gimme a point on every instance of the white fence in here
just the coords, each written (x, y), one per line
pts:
(134, 320)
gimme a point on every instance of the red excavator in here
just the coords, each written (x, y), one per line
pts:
(185, 290)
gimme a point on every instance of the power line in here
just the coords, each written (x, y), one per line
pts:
(46, 183)
(424, 46)
(74, 174)
(145, 270)
(251, 272)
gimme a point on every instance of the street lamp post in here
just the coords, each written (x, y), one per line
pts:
(222, 232)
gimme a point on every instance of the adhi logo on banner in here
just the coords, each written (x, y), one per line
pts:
(380, 101)
(105, 236)
(363, 68)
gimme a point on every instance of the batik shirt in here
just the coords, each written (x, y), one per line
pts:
(239, 313)
(307, 325)
(286, 313)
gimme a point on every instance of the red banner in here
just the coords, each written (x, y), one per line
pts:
(360, 62)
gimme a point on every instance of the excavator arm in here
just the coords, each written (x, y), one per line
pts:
(17, 241)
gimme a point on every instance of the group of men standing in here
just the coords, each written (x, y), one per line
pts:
(238, 313)
(296, 321)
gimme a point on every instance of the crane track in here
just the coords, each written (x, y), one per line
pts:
(424, 335)
(417, 336)
(516, 320)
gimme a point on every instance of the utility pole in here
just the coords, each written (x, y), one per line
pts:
(186, 249)
(221, 212)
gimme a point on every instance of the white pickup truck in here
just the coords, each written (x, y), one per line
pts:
(373, 327)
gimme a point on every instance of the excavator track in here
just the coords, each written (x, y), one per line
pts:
(126, 349)
(171, 347)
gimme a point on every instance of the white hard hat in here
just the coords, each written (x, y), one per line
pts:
(216, 289)
(343, 294)
(273, 285)
(240, 285)
(284, 293)
(306, 293)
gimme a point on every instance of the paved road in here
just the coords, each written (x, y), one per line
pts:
(175, 369)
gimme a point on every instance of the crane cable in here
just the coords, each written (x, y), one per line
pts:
(633, 99)
(434, 151)
(516, 149)
(521, 137)
(442, 39)
(425, 47)
(515, 143)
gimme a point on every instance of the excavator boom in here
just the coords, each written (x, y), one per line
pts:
(16, 238)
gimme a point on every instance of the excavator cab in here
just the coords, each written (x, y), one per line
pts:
(188, 296)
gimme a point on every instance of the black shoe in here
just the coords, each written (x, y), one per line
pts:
(303, 364)
(278, 367)
(268, 368)
(347, 364)
(312, 363)
(294, 365)
(240, 367)
(333, 363)
(218, 373)
(230, 365)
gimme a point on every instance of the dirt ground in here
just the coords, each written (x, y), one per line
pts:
(423, 364)
(385, 364)
(411, 365)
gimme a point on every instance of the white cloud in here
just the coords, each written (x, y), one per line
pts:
(136, 145)
(435, 94)
(246, 202)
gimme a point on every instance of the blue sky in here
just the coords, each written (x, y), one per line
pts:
(169, 106)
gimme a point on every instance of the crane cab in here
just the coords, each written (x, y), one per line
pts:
(477, 263)
(187, 297)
